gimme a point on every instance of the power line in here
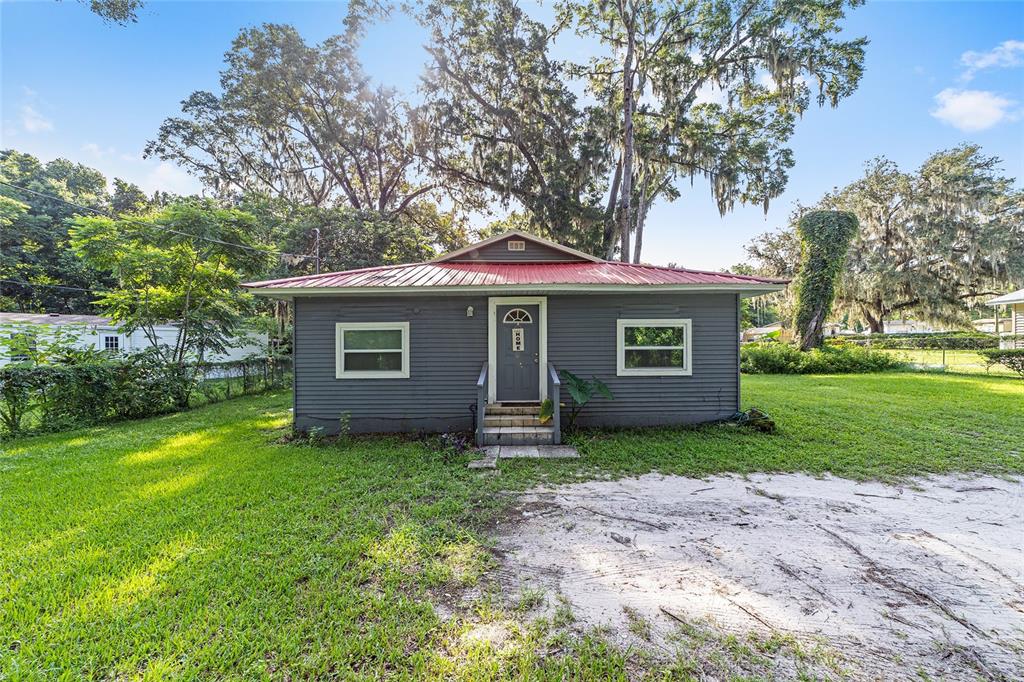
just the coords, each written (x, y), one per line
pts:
(163, 228)
(54, 286)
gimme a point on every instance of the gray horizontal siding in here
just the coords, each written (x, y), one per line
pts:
(582, 338)
(447, 350)
(498, 253)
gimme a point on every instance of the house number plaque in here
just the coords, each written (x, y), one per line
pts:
(518, 340)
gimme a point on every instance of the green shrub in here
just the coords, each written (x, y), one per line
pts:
(91, 389)
(1012, 358)
(784, 358)
(929, 341)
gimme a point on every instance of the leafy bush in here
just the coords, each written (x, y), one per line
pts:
(783, 358)
(582, 392)
(92, 389)
(1012, 358)
(930, 341)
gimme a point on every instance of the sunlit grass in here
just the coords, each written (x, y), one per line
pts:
(197, 546)
(959, 361)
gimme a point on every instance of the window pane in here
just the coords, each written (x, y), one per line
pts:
(373, 339)
(654, 359)
(373, 362)
(653, 336)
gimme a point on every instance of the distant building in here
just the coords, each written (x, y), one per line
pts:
(94, 331)
(987, 325)
(911, 327)
(1013, 304)
(759, 333)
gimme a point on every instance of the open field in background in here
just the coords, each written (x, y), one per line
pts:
(197, 545)
(957, 361)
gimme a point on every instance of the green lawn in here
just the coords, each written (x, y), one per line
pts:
(960, 361)
(197, 546)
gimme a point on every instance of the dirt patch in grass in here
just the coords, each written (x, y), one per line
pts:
(787, 574)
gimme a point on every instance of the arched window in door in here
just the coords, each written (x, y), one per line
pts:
(517, 316)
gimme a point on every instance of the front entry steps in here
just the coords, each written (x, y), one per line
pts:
(516, 424)
(492, 453)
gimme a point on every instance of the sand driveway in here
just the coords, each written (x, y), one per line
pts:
(927, 576)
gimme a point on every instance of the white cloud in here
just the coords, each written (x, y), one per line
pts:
(972, 110)
(98, 152)
(167, 177)
(33, 121)
(1005, 55)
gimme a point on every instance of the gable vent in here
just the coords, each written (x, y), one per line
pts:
(516, 245)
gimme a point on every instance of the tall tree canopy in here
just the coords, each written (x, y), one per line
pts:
(34, 236)
(503, 119)
(299, 122)
(933, 242)
(680, 88)
(182, 263)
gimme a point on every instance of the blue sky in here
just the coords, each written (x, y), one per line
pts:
(937, 74)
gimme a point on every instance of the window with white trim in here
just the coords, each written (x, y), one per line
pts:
(653, 347)
(112, 344)
(517, 316)
(372, 350)
(516, 245)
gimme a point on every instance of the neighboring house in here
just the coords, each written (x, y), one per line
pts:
(910, 327)
(1013, 303)
(485, 330)
(759, 333)
(94, 331)
(987, 325)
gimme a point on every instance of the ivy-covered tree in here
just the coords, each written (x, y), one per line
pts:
(824, 239)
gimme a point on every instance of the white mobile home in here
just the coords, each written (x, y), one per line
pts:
(94, 331)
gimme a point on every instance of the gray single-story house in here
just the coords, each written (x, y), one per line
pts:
(485, 330)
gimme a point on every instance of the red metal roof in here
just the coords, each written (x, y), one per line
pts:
(460, 274)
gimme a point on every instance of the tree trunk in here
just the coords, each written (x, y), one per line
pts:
(641, 219)
(876, 323)
(813, 334)
(625, 203)
(608, 238)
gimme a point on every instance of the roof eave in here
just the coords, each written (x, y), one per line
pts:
(746, 289)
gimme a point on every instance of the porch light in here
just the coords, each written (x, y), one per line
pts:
(469, 311)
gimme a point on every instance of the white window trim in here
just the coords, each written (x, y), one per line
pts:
(339, 350)
(492, 341)
(620, 347)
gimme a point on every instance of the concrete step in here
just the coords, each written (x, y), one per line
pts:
(519, 435)
(511, 420)
(499, 409)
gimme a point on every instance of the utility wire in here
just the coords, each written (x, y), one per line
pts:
(163, 228)
(54, 286)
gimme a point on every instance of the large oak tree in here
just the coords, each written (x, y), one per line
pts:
(676, 89)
